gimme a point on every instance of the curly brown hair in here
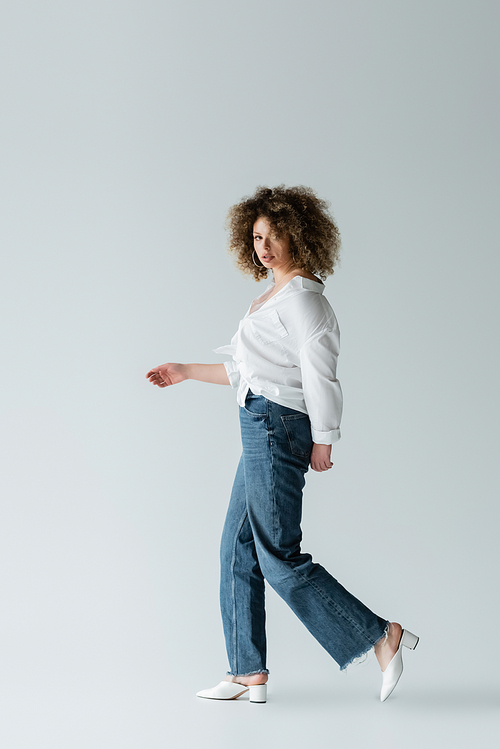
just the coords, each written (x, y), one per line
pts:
(296, 212)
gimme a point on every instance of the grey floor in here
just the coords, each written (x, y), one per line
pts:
(307, 714)
(441, 701)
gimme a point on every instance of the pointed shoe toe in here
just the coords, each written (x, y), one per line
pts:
(226, 690)
(229, 690)
(392, 673)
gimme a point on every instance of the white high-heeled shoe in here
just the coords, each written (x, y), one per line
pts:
(230, 690)
(392, 673)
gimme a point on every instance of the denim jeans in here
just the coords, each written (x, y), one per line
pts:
(261, 541)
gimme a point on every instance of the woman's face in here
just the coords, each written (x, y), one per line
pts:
(273, 252)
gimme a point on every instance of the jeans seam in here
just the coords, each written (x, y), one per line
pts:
(233, 590)
(273, 485)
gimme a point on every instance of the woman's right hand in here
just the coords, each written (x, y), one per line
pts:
(320, 457)
(167, 374)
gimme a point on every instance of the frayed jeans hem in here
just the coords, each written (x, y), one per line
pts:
(357, 660)
(250, 673)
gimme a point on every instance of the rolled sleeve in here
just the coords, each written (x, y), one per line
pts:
(232, 373)
(231, 365)
(322, 391)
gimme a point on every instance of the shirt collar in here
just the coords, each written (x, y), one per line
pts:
(299, 282)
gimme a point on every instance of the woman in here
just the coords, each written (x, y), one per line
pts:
(283, 366)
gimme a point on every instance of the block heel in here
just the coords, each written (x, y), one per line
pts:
(258, 693)
(409, 640)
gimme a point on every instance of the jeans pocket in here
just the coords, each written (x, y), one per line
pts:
(255, 405)
(298, 430)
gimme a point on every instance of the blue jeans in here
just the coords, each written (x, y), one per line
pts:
(261, 541)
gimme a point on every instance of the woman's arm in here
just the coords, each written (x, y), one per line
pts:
(322, 394)
(172, 374)
(322, 391)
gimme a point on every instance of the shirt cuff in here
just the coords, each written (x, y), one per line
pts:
(325, 438)
(232, 373)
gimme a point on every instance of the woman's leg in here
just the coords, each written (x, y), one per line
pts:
(242, 588)
(276, 450)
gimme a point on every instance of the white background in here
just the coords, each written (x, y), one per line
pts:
(127, 130)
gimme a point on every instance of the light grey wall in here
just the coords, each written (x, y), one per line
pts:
(128, 129)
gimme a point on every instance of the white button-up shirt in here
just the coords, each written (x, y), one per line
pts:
(286, 350)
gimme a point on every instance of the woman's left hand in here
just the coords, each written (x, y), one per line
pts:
(320, 457)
